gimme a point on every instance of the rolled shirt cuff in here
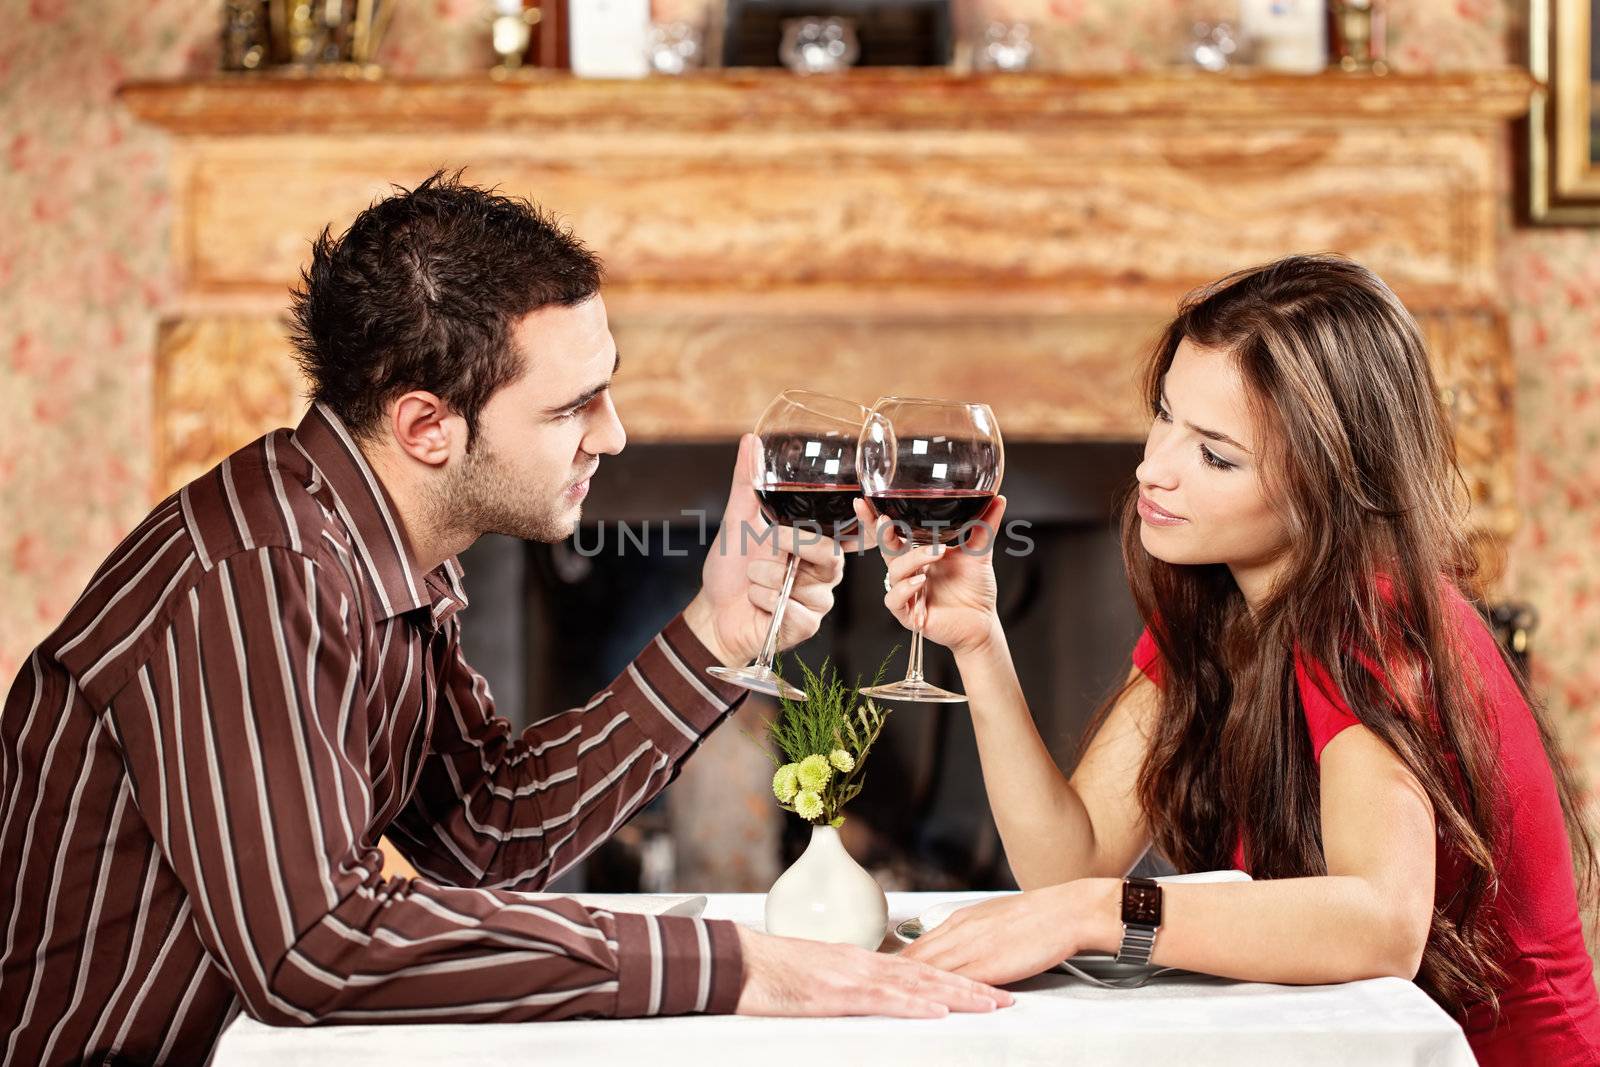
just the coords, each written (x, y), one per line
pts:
(673, 965)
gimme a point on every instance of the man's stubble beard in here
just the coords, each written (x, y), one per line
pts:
(483, 496)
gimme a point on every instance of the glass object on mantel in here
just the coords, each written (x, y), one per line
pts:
(814, 45)
(1212, 45)
(675, 47)
(1006, 48)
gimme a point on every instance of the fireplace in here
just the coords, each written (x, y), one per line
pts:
(551, 624)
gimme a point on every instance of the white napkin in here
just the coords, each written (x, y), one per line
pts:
(937, 914)
(690, 907)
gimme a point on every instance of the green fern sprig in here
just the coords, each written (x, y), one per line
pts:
(827, 736)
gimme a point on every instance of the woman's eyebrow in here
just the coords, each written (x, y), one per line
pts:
(1214, 435)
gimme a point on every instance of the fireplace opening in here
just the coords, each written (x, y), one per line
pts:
(549, 625)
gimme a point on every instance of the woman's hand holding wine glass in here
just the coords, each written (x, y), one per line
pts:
(956, 608)
(931, 468)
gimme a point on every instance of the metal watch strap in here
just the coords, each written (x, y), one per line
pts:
(1137, 944)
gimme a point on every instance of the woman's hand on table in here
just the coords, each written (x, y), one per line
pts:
(1018, 936)
(792, 977)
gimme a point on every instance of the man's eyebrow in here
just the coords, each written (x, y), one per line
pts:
(1214, 435)
(583, 400)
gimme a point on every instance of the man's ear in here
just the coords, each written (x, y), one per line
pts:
(425, 428)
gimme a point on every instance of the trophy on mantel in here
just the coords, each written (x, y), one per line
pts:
(334, 36)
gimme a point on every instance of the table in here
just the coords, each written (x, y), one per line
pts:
(1056, 1021)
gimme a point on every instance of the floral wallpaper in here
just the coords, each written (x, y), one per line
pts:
(84, 213)
(1552, 280)
(83, 230)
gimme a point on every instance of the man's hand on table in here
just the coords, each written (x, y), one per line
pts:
(788, 976)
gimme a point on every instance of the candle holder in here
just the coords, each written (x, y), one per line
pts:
(1358, 35)
(511, 24)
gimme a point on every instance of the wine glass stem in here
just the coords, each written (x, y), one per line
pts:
(769, 650)
(914, 672)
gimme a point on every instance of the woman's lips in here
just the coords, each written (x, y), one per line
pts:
(1151, 513)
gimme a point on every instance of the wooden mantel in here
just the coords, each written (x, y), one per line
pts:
(1015, 239)
(865, 100)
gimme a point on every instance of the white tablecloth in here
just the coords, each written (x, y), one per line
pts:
(1056, 1021)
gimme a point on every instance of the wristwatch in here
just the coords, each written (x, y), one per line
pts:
(1141, 918)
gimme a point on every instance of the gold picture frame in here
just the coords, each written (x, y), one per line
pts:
(1563, 144)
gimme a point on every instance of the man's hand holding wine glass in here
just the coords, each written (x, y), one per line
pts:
(744, 574)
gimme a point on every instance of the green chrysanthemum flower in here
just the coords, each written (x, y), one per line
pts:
(814, 773)
(786, 783)
(808, 805)
(842, 761)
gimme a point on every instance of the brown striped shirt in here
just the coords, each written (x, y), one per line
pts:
(195, 769)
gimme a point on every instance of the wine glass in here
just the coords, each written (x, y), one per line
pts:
(931, 467)
(806, 481)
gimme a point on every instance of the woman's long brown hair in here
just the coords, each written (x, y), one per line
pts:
(1360, 462)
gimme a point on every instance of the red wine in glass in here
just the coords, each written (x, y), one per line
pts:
(932, 514)
(828, 508)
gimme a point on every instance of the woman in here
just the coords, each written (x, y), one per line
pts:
(1314, 699)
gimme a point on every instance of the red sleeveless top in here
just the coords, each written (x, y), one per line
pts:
(1549, 1011)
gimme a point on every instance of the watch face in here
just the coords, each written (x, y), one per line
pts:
(1141, 904)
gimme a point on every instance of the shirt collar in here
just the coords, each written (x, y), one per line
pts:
(449, 593)
(362, 502)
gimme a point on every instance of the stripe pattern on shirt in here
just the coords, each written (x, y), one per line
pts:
(257, 684)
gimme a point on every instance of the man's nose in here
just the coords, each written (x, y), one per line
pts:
(606, 437)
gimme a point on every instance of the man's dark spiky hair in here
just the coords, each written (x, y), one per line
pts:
(423, 291)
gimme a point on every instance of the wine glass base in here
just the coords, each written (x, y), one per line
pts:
(917, 692)
(758, 680)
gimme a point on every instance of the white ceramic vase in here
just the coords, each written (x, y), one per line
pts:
(828, 896)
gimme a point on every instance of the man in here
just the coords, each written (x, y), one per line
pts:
(266, 676)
